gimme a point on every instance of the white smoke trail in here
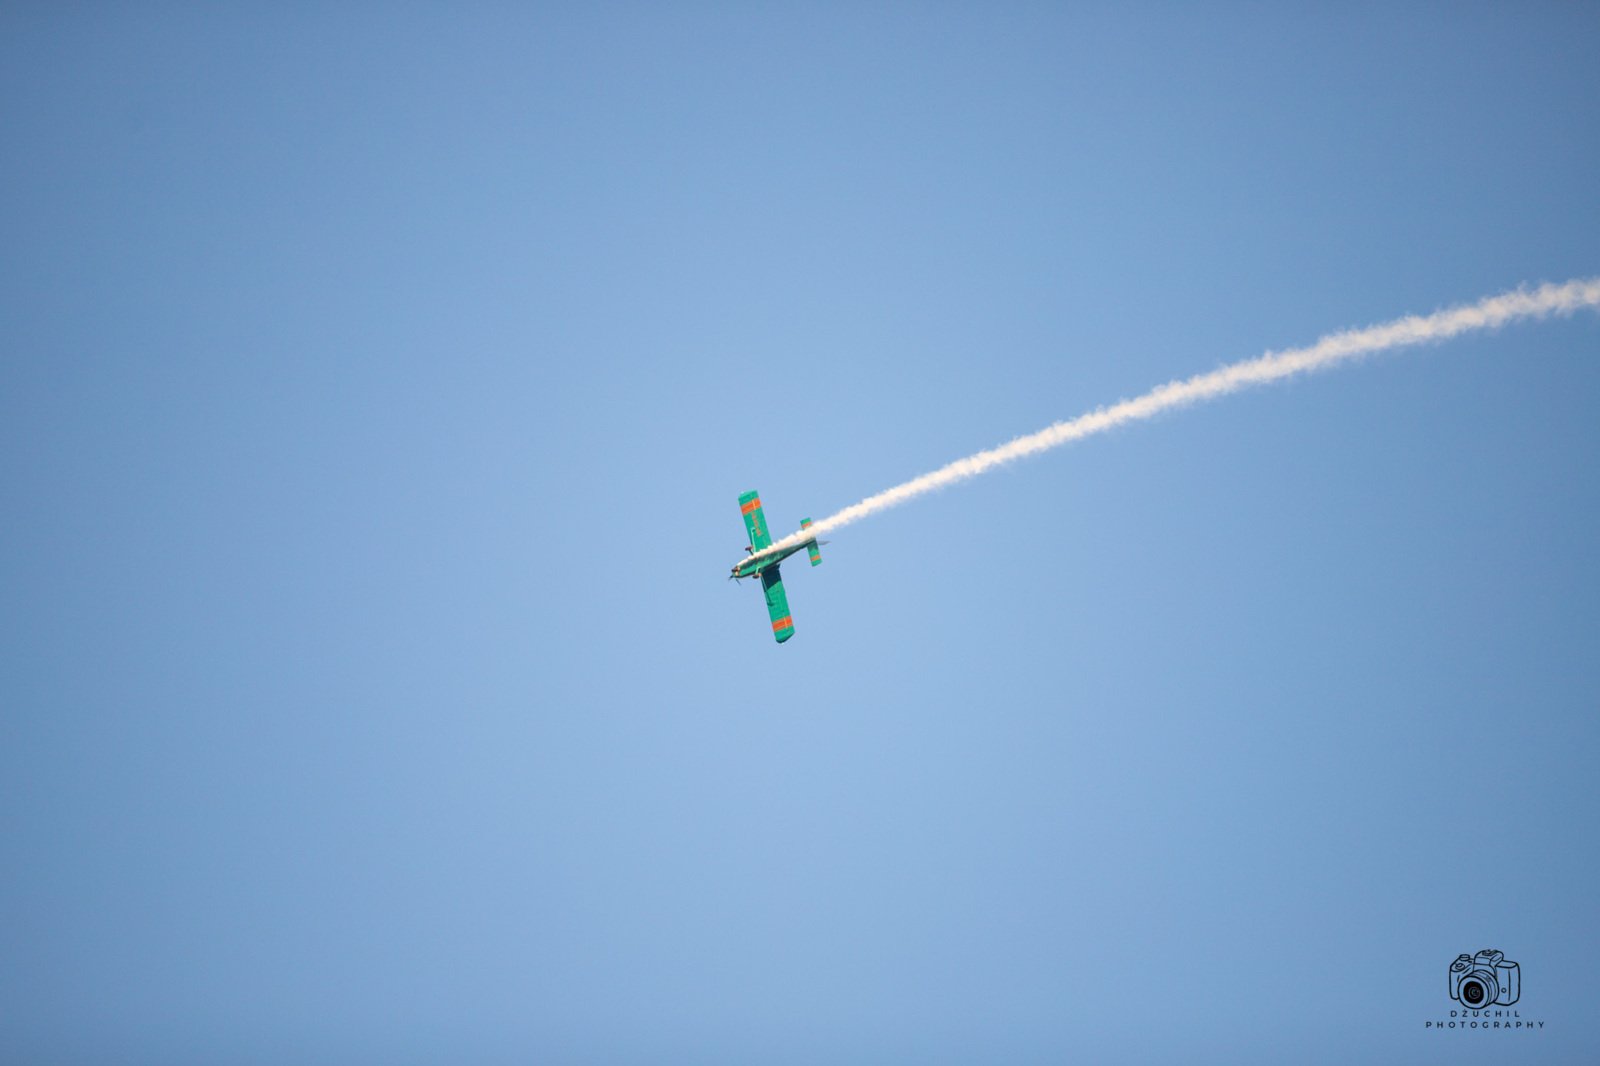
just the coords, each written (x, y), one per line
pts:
(1330, 350)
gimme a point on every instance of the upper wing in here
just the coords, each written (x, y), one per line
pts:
(777, 604)
(754, 522)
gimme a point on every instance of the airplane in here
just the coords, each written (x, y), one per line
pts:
(767, 565)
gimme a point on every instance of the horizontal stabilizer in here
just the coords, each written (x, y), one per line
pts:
(816, 555)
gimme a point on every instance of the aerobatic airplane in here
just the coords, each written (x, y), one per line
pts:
(767, 565)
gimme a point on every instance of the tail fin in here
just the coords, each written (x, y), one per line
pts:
(816, 555)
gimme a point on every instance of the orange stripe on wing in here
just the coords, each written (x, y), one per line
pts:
(782, 623)
(751, 506)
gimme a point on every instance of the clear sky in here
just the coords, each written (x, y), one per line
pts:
(377, 384)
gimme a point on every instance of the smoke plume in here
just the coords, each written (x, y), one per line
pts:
(1331, 350)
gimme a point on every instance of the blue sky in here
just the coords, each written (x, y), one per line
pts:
(377, 390)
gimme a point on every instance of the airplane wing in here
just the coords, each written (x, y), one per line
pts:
(777, 604)
(754, 522)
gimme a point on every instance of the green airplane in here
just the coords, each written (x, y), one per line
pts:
(767, 565)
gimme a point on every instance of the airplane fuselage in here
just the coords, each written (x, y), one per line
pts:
(752, 567)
